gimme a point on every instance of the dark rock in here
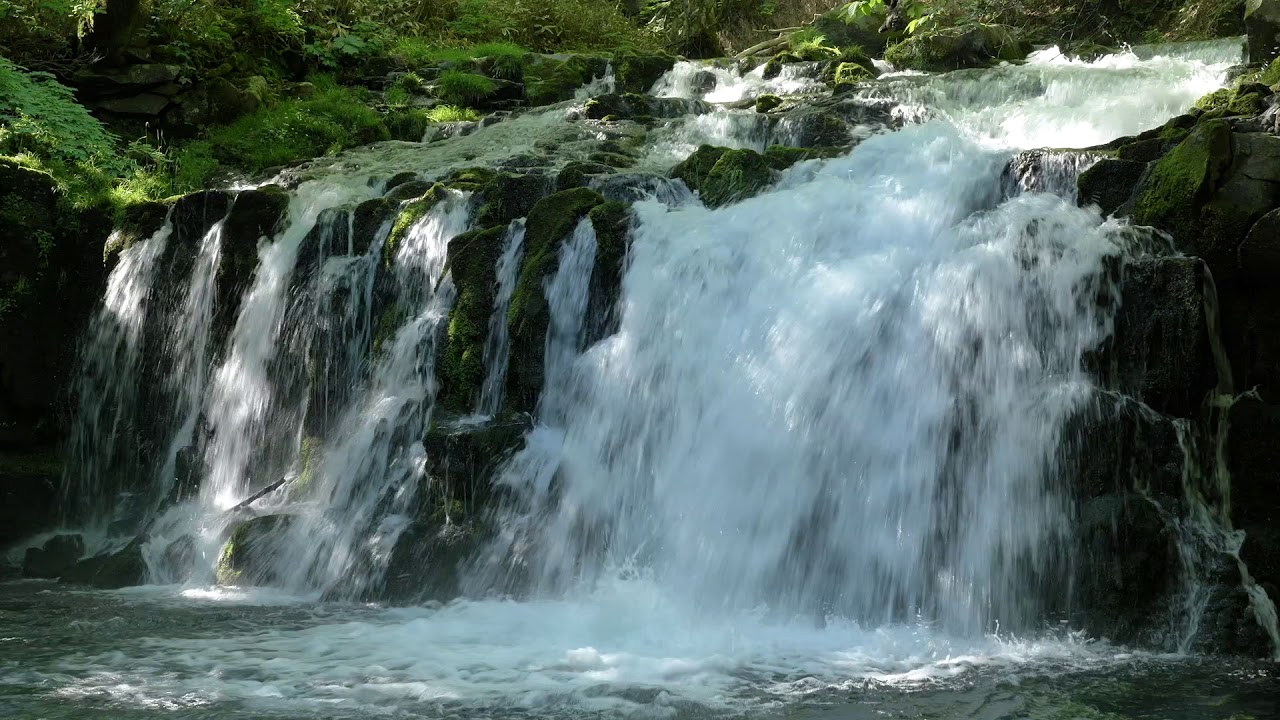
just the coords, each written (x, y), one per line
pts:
(399, 179)
(215, 101)
(550, 221)
(639, 73)
(408, 190)
(1110, 184)
(28, 495)
(612, 222)
(781, 157)
(1143, 151)
(1159, 352)
(765, 103)
(821, 128)
(579, 174)
(255, 215)
(54, 558)
(129, 79)
(618, 161)
(955, 48)
(1253, 458)
(372, 218)
(721, 176)
(246, 558)
(111, 570)
(142, 105)
(472, 260)
(466, 457)
(1259, 254)
(1262, 23)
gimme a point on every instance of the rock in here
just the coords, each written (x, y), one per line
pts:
(472, 261)
(372, 218)
(111, 570)
(214, 101)
(848, 74)
(612, 222)
(1143, 151)
(247, 557)
(254, 216)
(579, 174)
(180, 558)
(781, 157)
(468, 456)
(1253, 458)
(721, 176)
(819, 127)
(1262, 24)
(1129, 462)
(1184, 180)
(143, 105)
(967, 46)
(28, 494)
(639, 73)
(425, 564)
(54, 558)
(1259, 254)
(126, 80)
(614, 160)
(550, 222)
(409, 214)
(773, 68)
(1159, 352)
(509, 196)
(1110, 184)
(549, 79)
(767, 102)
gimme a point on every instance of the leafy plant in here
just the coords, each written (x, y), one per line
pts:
(452, 113)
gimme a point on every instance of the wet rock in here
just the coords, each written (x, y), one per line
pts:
(1159, 352)
(618, 161)
(247, 557)
(466, 457)
(111, 570)
(371, 218)
(579, 174)
(180, 558)
(550, 222)
(472, 259)
(552, 79)
(399, 179)
(820, 127)
(130, 79)
(765, 103)
(781, 157)
(1262, 24)
(1129, 464)
(254, 216)
(58, 554)
(722, 176)
(848, 74)
(1184, 180)
(955, 48)
(409, 214)
(773, 68)
(1253, 458)
(1110, 184)
(1259, 254)
(426, 564)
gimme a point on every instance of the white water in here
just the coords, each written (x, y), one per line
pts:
(818, 451)
(496, 347)
(686, 78)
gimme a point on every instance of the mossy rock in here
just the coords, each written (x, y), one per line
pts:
(247, 556)
(612, 223)
(408, 124)
(721, 176)
(370, 218)
(781, 157)
(612, 159)
(509, 196)
(410, 213)
(773, 68)
(549, 223)
(973, 45)
(578, 174)
(470, 179)
(638, 73)
(618, 106)
(135, 222)
(472, 263)
(407, 190)
(848, 74)
(1109, 183)
(766, 103)
(1184, 179)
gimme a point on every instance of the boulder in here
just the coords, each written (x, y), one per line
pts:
(1183, 181)
(256, 215)
(1253, 458)
(639, 73)
(974, 45)
(509, 196)
(1262, 25)
(549, 223)
(142, 105)
(1259, 254)
(579, 174)
(612, 222)
(111, 570)
(214, 101)
(767, 102)
(28, 494)
(98, 82)
(247, 557)
(722, 176)
(58, 554)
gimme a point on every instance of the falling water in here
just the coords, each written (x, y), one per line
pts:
(496, 343)
(102, 449)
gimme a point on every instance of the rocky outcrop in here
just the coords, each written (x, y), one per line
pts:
(472, 262)
(248, 554)
(1262, 23)
(722, 176)
(955, 48)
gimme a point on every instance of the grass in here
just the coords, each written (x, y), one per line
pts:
(452, 113)
(462, 88)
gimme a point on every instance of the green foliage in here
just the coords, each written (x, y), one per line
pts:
(38, 115)
(463, 88)
(331, 121)
(451, 113)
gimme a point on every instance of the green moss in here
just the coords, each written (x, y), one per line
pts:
(470, 179)
(847, 73)
(509, 196)
(612, 159)
(310, 452)
(551, 81)
(637, 73)
(410, 213)
(549, 223)
(472, 263)
(612, 222)
(452, 113)
(1184, 178)
(248, 551)
(767, 102)
(408, 124)
(1215, 99)
(773, 68)
(390, 322)
(721, 176)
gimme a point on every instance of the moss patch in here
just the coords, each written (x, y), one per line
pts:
(955, 48)
(1184, 179)
(410, 213)
(721, 176)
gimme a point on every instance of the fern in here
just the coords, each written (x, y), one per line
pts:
(39, 115)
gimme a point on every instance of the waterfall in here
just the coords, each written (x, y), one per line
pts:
(496, 343)
(103, 451)
(567, 299)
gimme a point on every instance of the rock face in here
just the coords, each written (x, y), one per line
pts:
(54, 558)
(957, 48)
(246, 557)
(1262, 23)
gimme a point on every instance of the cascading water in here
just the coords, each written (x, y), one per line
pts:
(819, 452)
(496, 346)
